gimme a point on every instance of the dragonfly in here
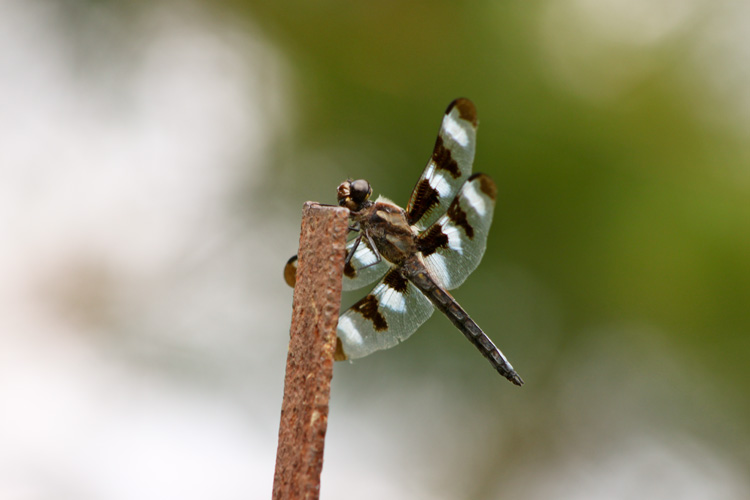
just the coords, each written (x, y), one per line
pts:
(418, 253)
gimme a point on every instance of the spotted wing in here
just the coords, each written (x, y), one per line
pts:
(389, 314)
(453, 246)
(448, 167)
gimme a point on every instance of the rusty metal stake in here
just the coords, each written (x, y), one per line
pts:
(309, 365)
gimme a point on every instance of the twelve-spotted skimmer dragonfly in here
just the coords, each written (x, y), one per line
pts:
(423, 251)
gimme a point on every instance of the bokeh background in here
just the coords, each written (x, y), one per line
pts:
(154, 159)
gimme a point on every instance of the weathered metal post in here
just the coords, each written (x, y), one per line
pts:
(309, 366)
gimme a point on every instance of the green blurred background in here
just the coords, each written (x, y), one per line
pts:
(616, 279)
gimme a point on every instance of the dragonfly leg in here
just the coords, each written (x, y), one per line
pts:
(353, 249)
(374, 249)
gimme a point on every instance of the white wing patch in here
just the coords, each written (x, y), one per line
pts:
(475, 199)
(390, 298)
(454, 235)
(439, 183)
(435, 263)
(348, 330)
(365, 256)
(455, 131)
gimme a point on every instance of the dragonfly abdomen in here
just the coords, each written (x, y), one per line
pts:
(416, 272)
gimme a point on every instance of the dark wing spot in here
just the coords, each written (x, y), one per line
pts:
(395, 281)
(431, 240)
(486, 185)
(458, 216)
(466, 110)
(349, 270)
(444, 160)
(425, 199)
(368, 308)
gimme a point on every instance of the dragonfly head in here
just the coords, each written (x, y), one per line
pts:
(354, 195)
